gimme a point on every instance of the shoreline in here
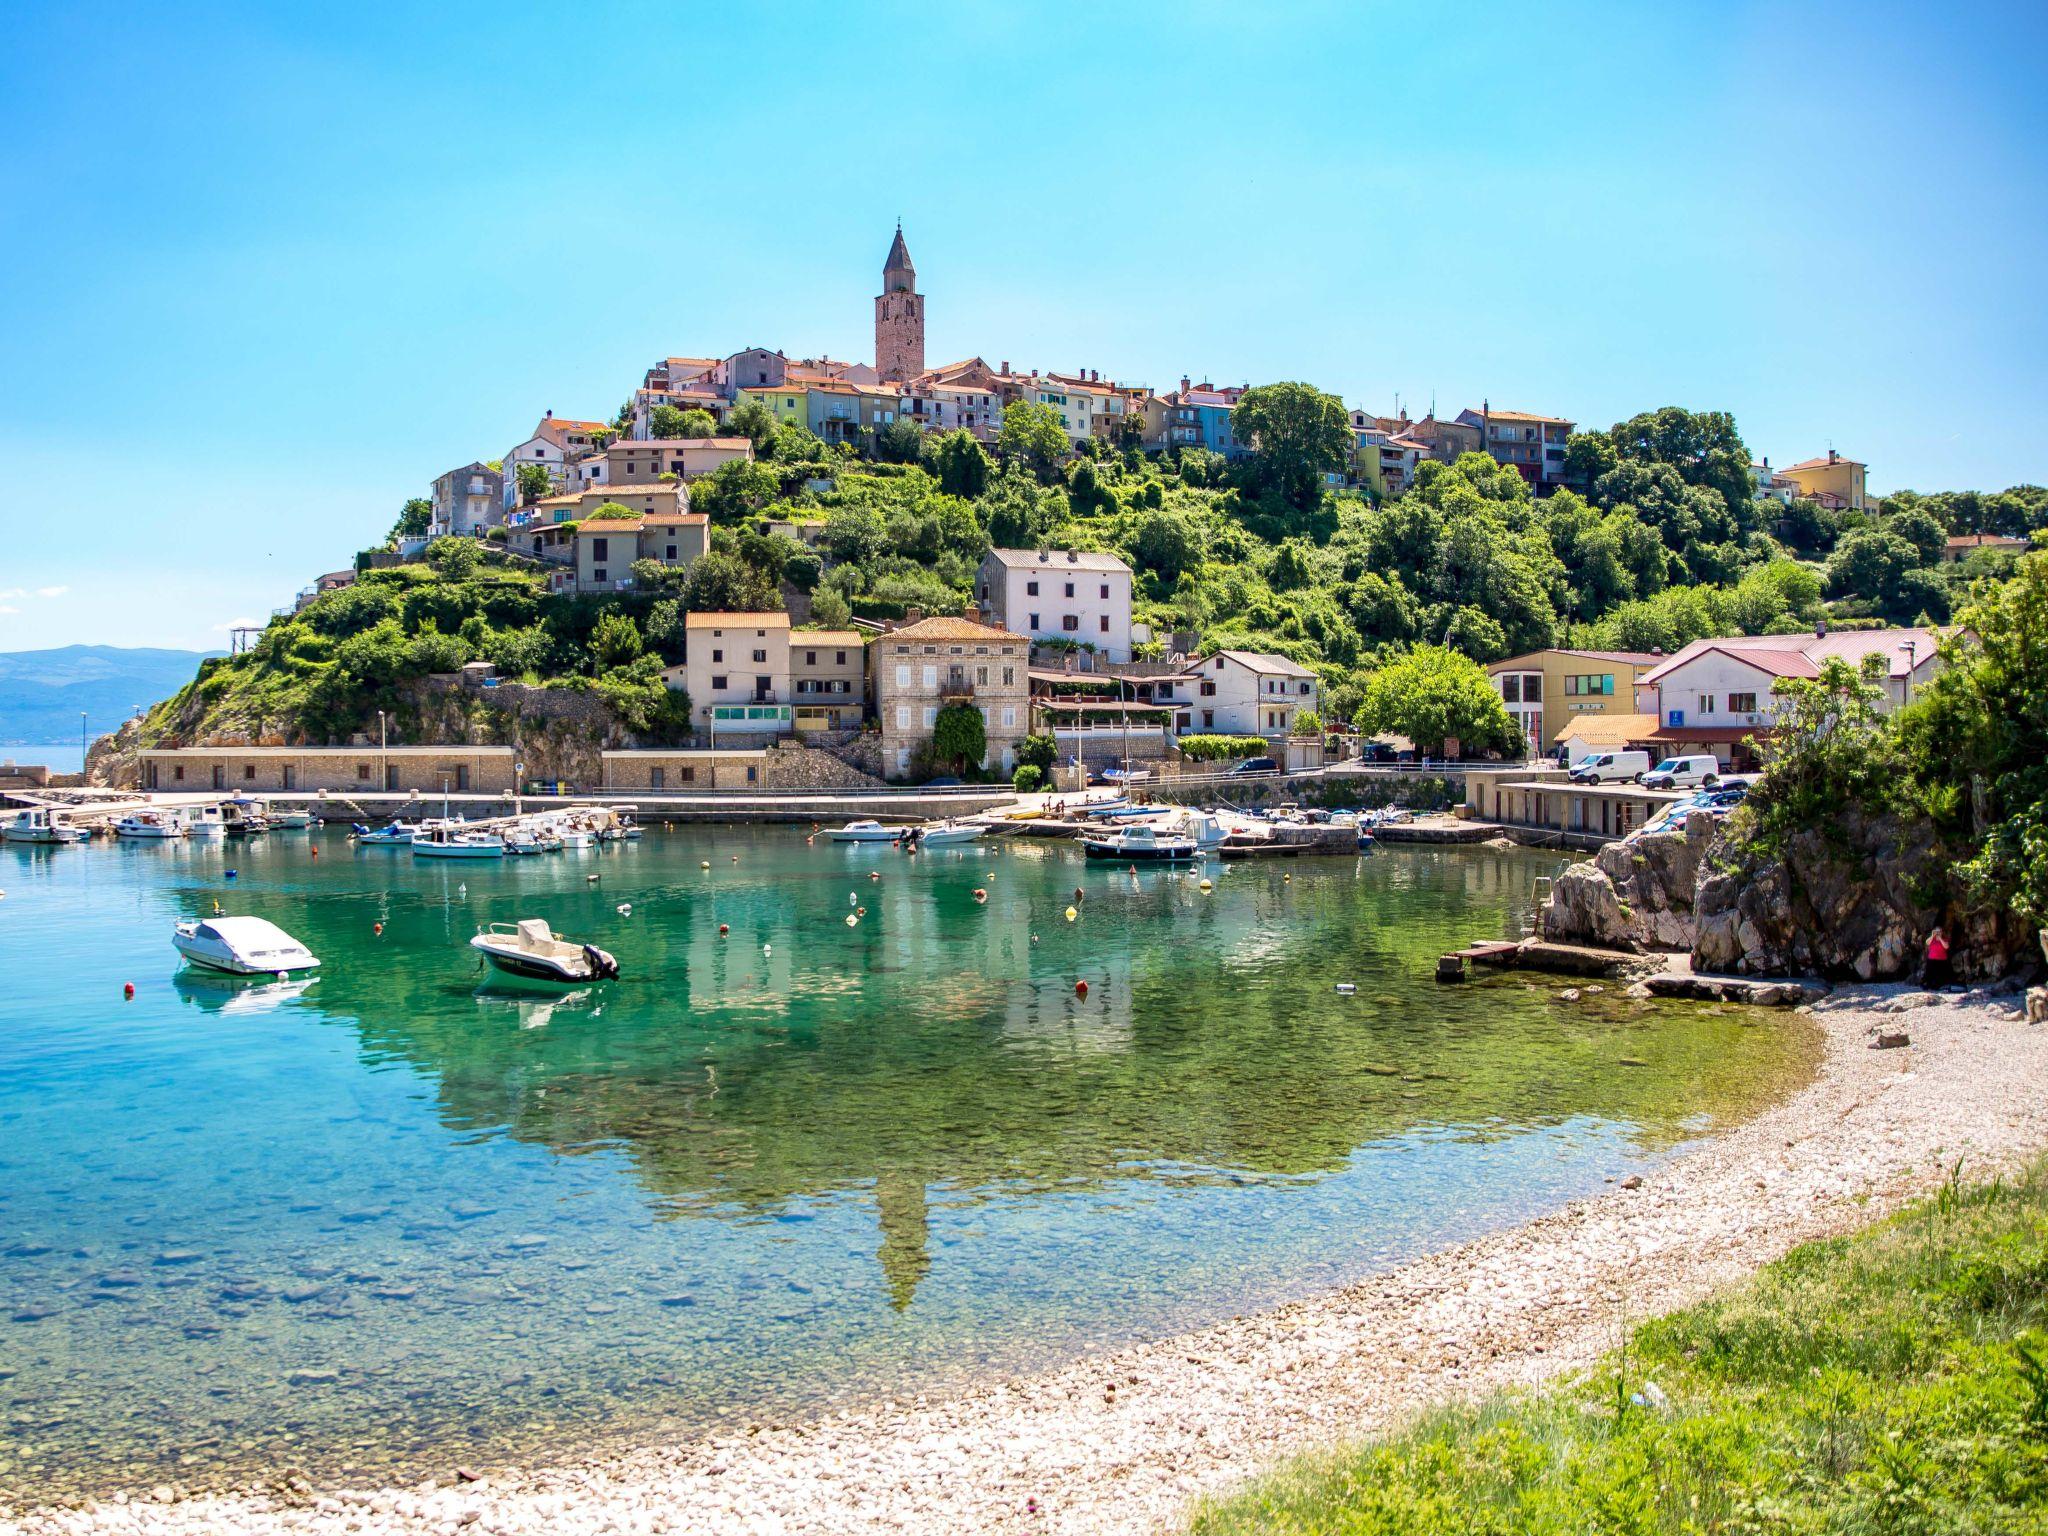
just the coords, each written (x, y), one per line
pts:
(1127, 1440)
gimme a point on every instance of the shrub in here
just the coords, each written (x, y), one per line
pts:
(1027, 778)
(1213, 749)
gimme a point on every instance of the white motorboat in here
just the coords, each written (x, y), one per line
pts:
(241, 946)
(244, 817)
(578, 837)
(449, 842)
(865, 832)
(1141, 845)
(529, 948)
(205, 822)
(292, 821)
(939, 834)
(1199, 828)
(526, 841)
(398, 834)
(39, 824)
(146, 825)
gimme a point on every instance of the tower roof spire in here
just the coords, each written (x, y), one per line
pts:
(898, 261)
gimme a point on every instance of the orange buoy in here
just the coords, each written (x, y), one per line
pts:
(1080, 989)
(980, 894)
(316, 853)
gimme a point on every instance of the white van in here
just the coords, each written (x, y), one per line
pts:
(1611, 767)
(1684, 772)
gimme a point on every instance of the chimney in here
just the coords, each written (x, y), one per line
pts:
(1833, 457)
(550, 416)
(1006, 365)
(1820, 629)
(1183, 383)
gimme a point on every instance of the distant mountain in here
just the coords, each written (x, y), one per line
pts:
(42, 692)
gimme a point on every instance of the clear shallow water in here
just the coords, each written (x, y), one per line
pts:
(402, 1214)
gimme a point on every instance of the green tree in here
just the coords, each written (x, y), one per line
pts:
(719, 582)
(899, 441)
(961, 464)
(1919, 529)
(612, 512)
(534, 482)
(1019, 515)
(1871, 566)
(1297, 434)
(1033, 438)
(414, 519)
(1432, 695)
(665, 423)
(753, 420)
(959, 738)
(1040, 751)
(1166, 544)
(697, 423)
(615, 641)
(737, 489)
(455, 559)
(831, 608)
(1703, 446)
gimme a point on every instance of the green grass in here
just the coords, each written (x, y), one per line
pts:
(1891, 1381)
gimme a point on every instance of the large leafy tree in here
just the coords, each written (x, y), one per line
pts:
(534, 482)
(753, 420)
(738, 488)
(1033, 438)
(414, 518)
(960, 463)
(721, 582)
(1298, 434)
(959, 737)
(1432, 695)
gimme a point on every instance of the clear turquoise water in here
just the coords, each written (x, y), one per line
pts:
(403, 1213)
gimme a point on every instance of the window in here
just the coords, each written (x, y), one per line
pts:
(1511, 689)
(931, 716)
(1741, 703)
(717, 656)
(249, 773)
(1706, 703)
(1105, 623)
(981, 677)
(1532, 689)
(752, 773)
(931, 677)
(1034, 622)
(840, 659)
(600, 549)
(689, 775)
(1031, 589)
(1010, 718)
(362, 771)
(902, 717)
(1070, 589)
(717, 682)
(1303, 689)
(760, 656)
(1070, 622)
(1208, 689)
(598, 574)
(178, 771)
(671, 552)
(1009, 677)
(1105, 591)
(657, 778)
(810, 658)
(903, 677)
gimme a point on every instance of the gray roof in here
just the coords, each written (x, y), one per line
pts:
(1060, 559)
(1258, 661)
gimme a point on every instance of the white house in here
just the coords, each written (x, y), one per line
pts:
(1248, 693)
(1059, 594)
(557, 444)
(1716, 693)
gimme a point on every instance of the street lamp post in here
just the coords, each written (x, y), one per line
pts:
(383, 756)
(1911, 648)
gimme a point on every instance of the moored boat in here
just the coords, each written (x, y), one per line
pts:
(450, 842)
(206, 823)
(397, 834)
(865, 832)
(39, 824)
(150, 825)
(940, 834)
(241, 946)
(1141, 845)
(530, 949)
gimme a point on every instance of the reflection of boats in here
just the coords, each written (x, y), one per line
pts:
(534, 1009)
(145, 825)
(530, 949)
(865, 832)
(219, 992)
(450, 842)
(241, 946)
(38, 824)
(939, 834)
(1141, 845)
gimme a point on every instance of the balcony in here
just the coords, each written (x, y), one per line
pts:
(956, 687)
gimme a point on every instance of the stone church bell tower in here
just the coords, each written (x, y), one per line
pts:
(899, 317)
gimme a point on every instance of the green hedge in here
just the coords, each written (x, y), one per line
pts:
(1210, 749)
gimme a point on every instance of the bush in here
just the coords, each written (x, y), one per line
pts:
(959, 738)
(1214, 749)
(1027, 778)
(1040, 752)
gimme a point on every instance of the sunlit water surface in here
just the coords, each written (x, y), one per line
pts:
(401, 1215)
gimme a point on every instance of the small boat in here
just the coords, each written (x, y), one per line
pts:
(1126, 775)
(1199, 827)
(1104, 807)
(292, 821)
(399, 834)
(206, 823)
(1141, 845)
(1121, 813)
(528, 948)
(241, 946)
(625, 826)
(939, 834)
(524, 842)
(39, 824)
(244, 817)
(147, 825)
(865, 832)
(450, 842)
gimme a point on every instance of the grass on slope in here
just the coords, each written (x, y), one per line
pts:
(1891, 1381)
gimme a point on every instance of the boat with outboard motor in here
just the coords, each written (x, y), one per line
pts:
(529, 948)
(241, 946)
(865, 832)
(396, 834)
(449, 841)
(147, 825)
(1141, 845)
(942, 834)
(40, 824)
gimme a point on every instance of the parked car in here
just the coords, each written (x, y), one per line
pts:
(1611, 768)
(1257, 765)
(1684, 772)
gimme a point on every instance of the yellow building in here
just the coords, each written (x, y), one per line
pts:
(1545, 689)
(1833, 482)
(790, 403)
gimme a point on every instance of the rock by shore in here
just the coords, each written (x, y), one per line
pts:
(1124, 1442)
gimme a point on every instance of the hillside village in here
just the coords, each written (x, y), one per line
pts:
(972, 568)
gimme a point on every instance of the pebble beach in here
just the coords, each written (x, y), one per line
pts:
(1127, 1441)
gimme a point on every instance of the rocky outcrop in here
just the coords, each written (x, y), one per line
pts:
(1635, 894)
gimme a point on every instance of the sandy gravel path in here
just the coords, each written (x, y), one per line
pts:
(1124, 1442)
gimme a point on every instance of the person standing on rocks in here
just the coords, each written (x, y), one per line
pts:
(1937, 972)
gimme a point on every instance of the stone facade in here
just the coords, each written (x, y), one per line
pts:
(899, 317)
(922, 668)
(364, 769)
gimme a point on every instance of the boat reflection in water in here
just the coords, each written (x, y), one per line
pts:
(218, 992)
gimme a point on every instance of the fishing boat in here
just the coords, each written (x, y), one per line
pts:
(525, 842)
(529, 948)
(39, 824)
(1199, 827)
(451, 842)
(241, 946)
(244, 817)
(624, 826)
(1141, 845)
(292, 821)
(143, 826)
(206, 823)
(865, 832)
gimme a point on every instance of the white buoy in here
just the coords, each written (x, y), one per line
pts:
(1347, 987)
(851, 920)
(625, 909)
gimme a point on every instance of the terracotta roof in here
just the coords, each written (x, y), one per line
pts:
(1679, 735)
(824, 637)
(1801, 655)
(608, 525)
(653, 489)
(1986, 541)
(1820, 464)
(766, 619)
(1606, 730)
(678, 519)
(946, 627)
(1497, 415)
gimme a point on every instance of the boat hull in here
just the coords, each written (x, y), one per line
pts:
(1170, 854)
(458, 851)
(227, 965)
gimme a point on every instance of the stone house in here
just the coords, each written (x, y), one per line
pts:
(365, 769)
(827, 679)
(467, 500)
(921, 668)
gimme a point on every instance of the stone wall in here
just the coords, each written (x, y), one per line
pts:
(1634, 894)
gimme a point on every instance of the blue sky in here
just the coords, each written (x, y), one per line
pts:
(265, 271)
